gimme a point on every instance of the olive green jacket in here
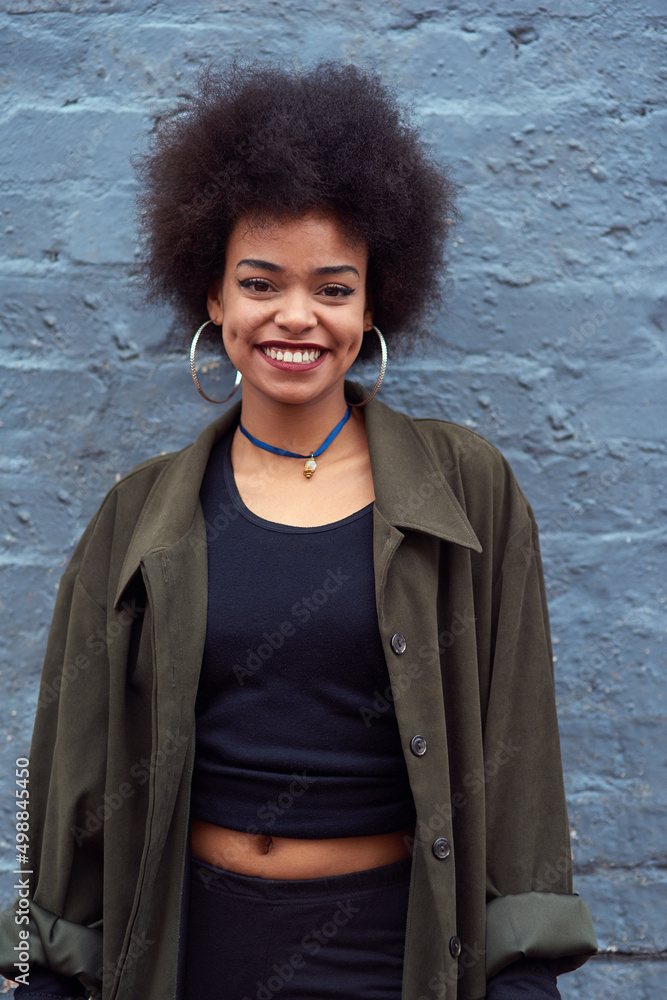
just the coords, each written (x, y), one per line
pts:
(458, 575)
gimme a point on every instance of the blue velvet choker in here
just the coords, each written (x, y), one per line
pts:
(311, 464)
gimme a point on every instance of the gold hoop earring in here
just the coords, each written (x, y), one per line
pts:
(383, 368)
(193, 368)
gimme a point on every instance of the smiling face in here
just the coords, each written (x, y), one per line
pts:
(293, 307)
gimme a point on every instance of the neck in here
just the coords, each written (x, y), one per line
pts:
(299, 427)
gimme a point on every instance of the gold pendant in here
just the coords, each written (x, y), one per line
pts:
(309, 467)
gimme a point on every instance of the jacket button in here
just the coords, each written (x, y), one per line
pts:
(454, 947)
(418, 745)
(398, 643)
(441, 848)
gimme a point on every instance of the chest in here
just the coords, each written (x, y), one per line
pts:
(285, 495)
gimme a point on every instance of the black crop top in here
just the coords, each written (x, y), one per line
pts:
(296, 732)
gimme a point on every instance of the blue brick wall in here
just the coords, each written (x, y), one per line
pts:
(552, 345)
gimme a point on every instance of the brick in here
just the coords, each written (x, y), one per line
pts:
(602, 979)
(67, 144)
(89, 238)
(626, 905)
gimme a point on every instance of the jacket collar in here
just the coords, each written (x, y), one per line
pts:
(410, 490)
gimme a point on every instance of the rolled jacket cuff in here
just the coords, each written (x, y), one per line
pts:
(538, 925)
(53, 942)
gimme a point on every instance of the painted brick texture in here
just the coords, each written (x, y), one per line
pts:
(551, 344)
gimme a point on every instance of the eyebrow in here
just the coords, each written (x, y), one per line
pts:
(265, 265)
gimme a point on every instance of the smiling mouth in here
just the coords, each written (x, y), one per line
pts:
(292, 357)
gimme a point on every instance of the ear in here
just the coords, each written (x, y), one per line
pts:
(368, 313)
(214, 302)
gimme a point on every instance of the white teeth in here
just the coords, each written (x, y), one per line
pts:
(297, 357)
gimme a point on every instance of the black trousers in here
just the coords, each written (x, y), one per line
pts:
(251, 938)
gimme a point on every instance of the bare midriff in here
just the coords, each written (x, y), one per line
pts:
(268, 856)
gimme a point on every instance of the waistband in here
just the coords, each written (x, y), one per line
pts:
(256, 887)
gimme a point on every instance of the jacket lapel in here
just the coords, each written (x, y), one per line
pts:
(410, 490)
(174, 500)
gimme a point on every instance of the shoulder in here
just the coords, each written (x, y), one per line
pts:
(453, 446)
(107, 536)
(150, 507)
(480, 476)
(463, 455)
(474, 470)
(462, 447)
(133, 489)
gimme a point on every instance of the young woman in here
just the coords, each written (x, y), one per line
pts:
(296, 732)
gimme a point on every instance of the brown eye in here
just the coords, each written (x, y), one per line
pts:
(337, 291)
(256, 284)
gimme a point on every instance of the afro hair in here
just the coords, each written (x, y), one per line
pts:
(267, 142)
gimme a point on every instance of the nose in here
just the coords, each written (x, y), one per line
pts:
(295, 313)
